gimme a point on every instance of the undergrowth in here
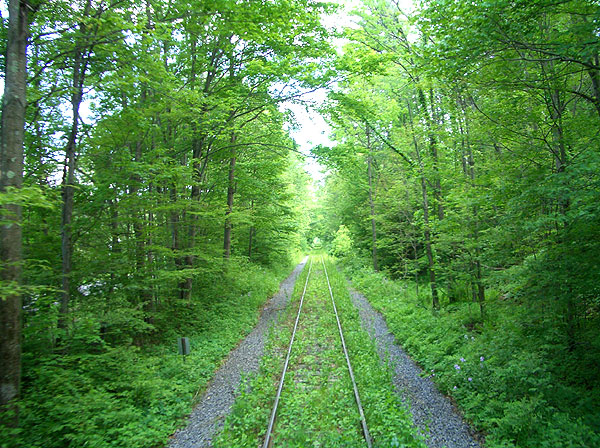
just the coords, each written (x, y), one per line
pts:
(512, 376)
(132, 395)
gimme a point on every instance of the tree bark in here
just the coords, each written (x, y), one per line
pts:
(68, 182)
(372, 204)
(230, 193)
(250, 238)
(438, 205)
(478, 288)
(556, 108)
(11, 176)
(251, 234)
(426, 225)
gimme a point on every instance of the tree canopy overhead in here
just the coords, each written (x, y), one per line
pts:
(157, 171)
(151, 167)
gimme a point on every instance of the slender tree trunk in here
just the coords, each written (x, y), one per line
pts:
(438, 205)
(198, 143)
(68, 182)
(174, 220)
(480, 293)
(556, 109)
(68, 190)
(416, 271)
(137, 220)
(372, 204)
(250, 238)
(186, 285)
(478, 278)
(426, 225)
(594, 75)
(150, 261)
(115, 246)
(428, 245)
(251, 235)
(11, 176)
(230, 193)
(478, 289)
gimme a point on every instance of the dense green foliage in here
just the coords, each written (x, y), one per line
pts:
(163, 197)
(318, 377)
(507, 375)
(107, 394)
(466, 160)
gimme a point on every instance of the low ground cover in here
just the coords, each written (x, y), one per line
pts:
(509, 374)
(134, 395)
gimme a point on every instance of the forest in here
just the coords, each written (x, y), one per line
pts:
(151, 188)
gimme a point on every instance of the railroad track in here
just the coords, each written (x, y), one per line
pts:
(268, 441)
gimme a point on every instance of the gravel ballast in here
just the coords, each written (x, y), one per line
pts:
(433, 413)
(208, 416)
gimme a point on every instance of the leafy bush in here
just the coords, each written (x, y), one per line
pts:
(342, 243)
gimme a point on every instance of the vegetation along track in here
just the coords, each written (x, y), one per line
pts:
(307, 393)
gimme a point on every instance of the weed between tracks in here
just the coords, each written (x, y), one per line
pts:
(317, 407)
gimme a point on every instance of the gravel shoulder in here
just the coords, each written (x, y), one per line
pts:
(208, 416)
(433, 413)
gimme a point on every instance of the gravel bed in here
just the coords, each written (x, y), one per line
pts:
(433, 413)
(208, 416)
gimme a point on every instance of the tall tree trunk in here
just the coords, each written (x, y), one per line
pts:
(11, 176)
(372, 203)
(250, 238)
(478, 287)
(137, 216)
(68, 190)
(68, 182)
(115, 246)
(174, 221)
(480, 290)
(438, 205)
(230, 193)
(426, 225)
(556, 108)
(251, 234)
(198, 167)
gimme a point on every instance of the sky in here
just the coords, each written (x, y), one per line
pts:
(311, 128)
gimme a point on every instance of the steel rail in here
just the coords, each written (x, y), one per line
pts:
(268, 437)
(363, 420)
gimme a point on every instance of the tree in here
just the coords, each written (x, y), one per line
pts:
(14, 103)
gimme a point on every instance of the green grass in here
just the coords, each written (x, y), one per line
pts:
(317, 405)
(510, 375)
